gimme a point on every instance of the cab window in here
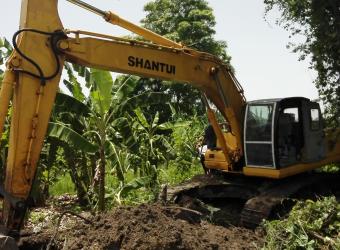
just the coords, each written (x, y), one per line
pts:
(315, 119)
(259, 122)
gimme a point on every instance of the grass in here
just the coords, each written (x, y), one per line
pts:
(170, 175)
(63, 186)
(173, 175)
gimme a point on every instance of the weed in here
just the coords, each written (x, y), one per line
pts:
(62, 186)
(310, 225)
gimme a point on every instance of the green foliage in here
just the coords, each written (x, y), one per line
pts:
(5, 50)
(65, 134)
(319, 22)
(102, 123)
(101, 90)
(186, 141)
(175, 174)
(73, 84)
(332, 168)
(310, 225)
(63, 185)
(121, 194)
(152, 146)
(36, 217)
(192, 23)
(70, 104)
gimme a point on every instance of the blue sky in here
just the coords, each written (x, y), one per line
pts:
(264, 66)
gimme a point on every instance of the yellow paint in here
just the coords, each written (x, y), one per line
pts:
(27, 112)
(291, 170)
(222, 165)
(219, 134)
(147, 34)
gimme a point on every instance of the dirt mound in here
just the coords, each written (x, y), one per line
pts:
(147, 227)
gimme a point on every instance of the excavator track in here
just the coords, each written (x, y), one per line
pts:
(263, 198)
(263, 206)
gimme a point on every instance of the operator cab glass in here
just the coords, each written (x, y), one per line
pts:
(279, 133)
(259, 135)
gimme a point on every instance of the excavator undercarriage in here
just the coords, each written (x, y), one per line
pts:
(257, 198)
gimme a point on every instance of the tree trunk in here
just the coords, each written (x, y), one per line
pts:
(76, 179)
(101, 200)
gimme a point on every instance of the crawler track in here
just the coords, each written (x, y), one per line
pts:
(263, 198)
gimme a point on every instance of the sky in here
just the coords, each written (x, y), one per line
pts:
(263, 64)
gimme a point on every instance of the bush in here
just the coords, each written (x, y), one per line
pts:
(333, 168)
(310, 225)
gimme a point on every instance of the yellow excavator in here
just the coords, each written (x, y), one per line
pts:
(269, 143)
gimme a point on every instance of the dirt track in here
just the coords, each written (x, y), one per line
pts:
(146, 227)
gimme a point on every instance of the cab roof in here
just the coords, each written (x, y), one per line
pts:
(276, 100)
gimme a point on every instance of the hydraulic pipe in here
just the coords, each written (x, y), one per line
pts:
(117, 20)
(5, 96)
(88, 7)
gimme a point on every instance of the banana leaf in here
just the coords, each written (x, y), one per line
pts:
(63, 133)
(70, 104)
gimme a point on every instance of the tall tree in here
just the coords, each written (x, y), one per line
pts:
(192, 23)
(319, 22)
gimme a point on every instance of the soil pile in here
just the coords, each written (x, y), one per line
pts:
(147, 227)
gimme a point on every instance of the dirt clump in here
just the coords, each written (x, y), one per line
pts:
(147, 227)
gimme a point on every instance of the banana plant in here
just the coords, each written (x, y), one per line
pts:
(99, 117)
(152, 144)
(109, 102)
(66, 149)
(122, 191)
(85, 120)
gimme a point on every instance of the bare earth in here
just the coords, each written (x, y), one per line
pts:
(145, 227)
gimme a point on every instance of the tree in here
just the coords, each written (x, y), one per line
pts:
(191, 22)
(319, 22)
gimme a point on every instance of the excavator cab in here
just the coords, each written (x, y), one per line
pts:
(282, 132)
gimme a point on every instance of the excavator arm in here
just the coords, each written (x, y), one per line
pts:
(201, 70)
(34, 69)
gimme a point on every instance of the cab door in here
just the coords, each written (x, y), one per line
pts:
(315, 148)
(258, 135)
